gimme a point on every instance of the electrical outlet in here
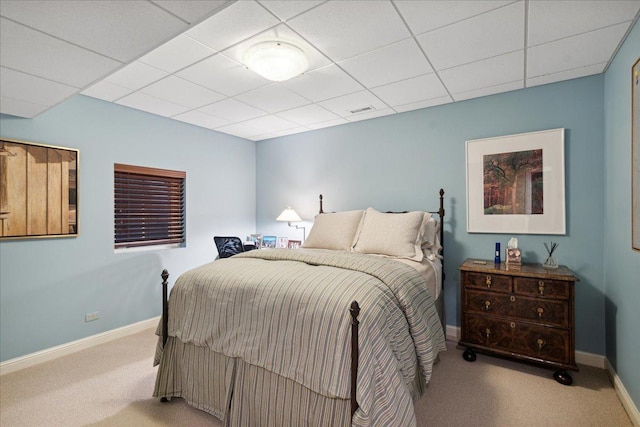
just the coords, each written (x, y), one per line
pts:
(90, 317)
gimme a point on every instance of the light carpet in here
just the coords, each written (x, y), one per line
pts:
(111, 385)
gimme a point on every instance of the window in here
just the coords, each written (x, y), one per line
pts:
(149, 206)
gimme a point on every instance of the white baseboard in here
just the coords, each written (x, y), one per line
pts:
(623, 395)
(32, 359)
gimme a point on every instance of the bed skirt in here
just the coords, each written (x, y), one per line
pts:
(243, 395)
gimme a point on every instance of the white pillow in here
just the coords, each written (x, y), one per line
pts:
(335, 231)
(431, 235)
(398, 235)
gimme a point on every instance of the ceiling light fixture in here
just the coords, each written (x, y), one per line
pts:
(276, 60)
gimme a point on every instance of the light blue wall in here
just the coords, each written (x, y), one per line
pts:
(622, 264)
(400, 162)
(47, 285)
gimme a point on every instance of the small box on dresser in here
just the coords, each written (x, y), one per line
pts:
(523, 312)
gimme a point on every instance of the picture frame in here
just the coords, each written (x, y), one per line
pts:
(38, 190)
(516, 183)
(635, 155)
(269, 242)
(294, 244)
(283, 243)
(257, 240)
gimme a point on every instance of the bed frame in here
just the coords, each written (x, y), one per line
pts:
(354, 309)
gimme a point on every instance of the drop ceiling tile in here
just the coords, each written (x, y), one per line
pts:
(423, 104)
(287, 9)
(392, 63)
(490, 34)
(574, 52)
(19, 108)
(119, 29)
(32, 89)
(371, 114)
(416, 89)
(308, 115)
(324, 83)
(176, 54)
(32, 52)
(271, 123)
(237, 22)
(492, 90)
(106, 91)
(423, 16)
(239, 129)
(182, 92)
(283, 33)
(344, 105)
(135, 76)
(148, 103)
(272, 98)
(327, 124)
(223, 75)
(553, 20)
(270, 135)
(566, 75)
(201, 119)
(489, 72)
(343, 29)
(233, 110)
(191, 11)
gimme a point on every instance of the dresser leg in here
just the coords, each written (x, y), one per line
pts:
(563, 377)
(469, 355)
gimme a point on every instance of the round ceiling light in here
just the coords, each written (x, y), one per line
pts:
(276, 60)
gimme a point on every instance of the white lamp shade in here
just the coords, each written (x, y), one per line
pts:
(289, 215)
(276, 60)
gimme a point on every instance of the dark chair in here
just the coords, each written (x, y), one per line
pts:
(228, 246)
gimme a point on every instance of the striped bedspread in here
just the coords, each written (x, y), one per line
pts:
(287, 311)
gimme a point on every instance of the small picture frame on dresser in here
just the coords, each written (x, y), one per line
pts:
(294, 244)
(513, 256)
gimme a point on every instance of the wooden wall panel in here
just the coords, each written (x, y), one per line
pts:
(36, 190)
(54, 192)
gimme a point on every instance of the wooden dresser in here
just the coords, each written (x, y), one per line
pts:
(522, 312)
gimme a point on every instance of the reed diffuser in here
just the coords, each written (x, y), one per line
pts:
(550, 261)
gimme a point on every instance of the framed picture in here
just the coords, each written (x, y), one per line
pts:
(269, 242)
(283, 242)
(257, 240)
(515, 184)
(635, 156)
(38, 190)
(294, 244)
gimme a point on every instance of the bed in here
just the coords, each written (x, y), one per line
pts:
(344, 331)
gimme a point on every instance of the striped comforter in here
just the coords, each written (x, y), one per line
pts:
(287, 312)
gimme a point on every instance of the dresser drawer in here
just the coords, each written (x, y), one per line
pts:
(520, 338)
(547, 311)
(494, 282)
(541, 287)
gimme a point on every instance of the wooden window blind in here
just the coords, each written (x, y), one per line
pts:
(149, 206)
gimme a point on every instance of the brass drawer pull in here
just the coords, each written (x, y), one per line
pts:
(540, 311)
(488, 281)
(540, 342)
(512, 298)
(541, 287)
(487, 332)
(486, 305)
(513, 325)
